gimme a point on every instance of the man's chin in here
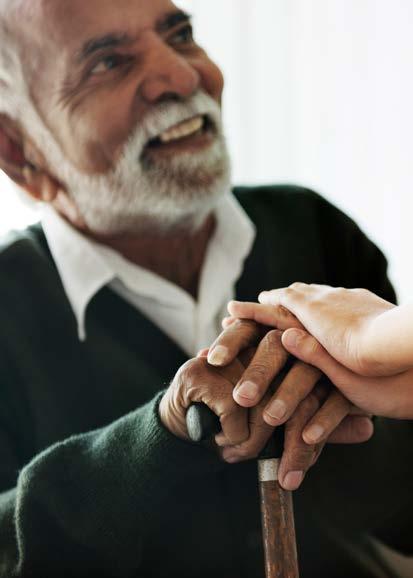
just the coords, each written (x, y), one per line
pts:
(180, 191)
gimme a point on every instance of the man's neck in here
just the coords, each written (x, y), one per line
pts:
(177, 256)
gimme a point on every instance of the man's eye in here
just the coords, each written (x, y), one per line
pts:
(183, 36)
(107, 63)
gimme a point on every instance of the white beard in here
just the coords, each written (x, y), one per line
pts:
(137, 194)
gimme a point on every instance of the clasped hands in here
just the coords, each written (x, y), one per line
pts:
(240, 378)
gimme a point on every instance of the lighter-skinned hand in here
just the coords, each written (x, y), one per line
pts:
(344, 321)
(386, 396)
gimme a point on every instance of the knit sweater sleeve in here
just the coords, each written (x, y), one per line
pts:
(88, 501)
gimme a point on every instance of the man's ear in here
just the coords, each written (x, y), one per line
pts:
(28, 173)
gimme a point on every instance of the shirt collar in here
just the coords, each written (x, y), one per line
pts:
(86, 266)
(82, 270)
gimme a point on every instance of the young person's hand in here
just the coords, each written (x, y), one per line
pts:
(387, 396)
(346, 322)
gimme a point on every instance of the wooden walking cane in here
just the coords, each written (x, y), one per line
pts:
(277, 516)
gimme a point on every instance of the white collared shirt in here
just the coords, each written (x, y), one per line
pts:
(86, 266)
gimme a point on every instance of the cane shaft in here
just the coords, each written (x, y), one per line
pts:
(278, 530)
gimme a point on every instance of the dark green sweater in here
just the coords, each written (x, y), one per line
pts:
(91, 482)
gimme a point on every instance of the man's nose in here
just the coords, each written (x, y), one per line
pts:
(168, 73)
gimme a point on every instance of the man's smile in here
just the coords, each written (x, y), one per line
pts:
(183, 129)
(193, 133)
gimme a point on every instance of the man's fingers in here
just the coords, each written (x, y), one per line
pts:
(295, 387)
(251, 448)
(267, 362)
(298, 456)
(327, 419)
(235, 338)
(274, 316)
(233, 418)
(199, 382)
(260, 432)
(352, 430)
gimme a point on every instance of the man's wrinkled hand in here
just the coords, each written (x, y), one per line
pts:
(198, 382)
(297, 399)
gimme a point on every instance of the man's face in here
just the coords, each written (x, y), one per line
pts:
(111, 78)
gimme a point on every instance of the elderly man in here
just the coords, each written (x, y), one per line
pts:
(110, 115)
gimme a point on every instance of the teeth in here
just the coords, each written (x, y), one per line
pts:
(182, 130)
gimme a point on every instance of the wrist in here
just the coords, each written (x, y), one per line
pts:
(377, 350)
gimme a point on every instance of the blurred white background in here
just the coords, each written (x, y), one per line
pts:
(319, 93)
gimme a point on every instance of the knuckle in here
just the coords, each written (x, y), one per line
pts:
(192, 370)
(297, 286)
(302, 458)
(257, 372)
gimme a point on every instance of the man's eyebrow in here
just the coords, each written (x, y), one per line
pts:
(114, 40)
(100, 43)
(173, 19)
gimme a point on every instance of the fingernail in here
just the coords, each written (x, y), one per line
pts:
(314, 433)
(218, 356)
(248, 389)
(293, 480)
(292, 337)
(277, 409)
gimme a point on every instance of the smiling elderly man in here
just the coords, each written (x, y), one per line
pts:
(110, 115)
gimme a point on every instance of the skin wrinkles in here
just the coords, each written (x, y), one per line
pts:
(54, 84)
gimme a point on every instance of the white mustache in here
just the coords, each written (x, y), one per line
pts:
(168, 114)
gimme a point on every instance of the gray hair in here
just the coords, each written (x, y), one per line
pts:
(16, 100)
(13, 87)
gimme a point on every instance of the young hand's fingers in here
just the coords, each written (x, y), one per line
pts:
(352, 430)
(295, 387)
(304, 346)
(292, 297)
(377, 395)
(239, 335)
(269, 359)
(327, 419)
(361, 391)
(274, 316)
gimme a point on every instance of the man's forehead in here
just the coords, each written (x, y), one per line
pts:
(69, 21)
